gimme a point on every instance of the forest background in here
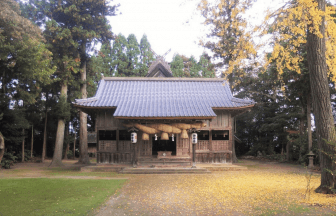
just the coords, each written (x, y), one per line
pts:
(48, 59)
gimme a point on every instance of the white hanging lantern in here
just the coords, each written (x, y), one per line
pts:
(134, 137)
(173, 137)
(194, 138)
(155, 137)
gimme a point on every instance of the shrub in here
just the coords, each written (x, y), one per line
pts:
(69, 154)
(8, 160)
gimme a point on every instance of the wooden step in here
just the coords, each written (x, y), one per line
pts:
(178, 161)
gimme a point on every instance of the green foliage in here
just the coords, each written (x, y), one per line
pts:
(8, 160)
(119, 56)
(177, 66)
(25, 62)
(69, 154)
(12, 123)
(146, 55)
(43, 196)
(183, 66)
(26, 155)
(206, 67)
(125, 58)
(132, 53)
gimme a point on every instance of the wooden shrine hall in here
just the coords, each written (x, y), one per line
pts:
(163, 112)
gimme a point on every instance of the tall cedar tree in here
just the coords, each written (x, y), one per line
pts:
(177, 66)
(133, 54)
(183, 66)
(291, 23)
(229, 40)
(78, 24)
(146, 55)
(126, 57)
(119, 57)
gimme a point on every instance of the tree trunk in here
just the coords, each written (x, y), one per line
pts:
(32, 142)
(67, 142)
(23, 141)
(83, 145)
(310, 142)
(321, 102)
(288, 157)
(302, 128)
(57, 158)
(2, 147)
(74, 147)
(44, 147)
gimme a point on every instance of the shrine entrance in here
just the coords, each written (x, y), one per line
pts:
(163, 145)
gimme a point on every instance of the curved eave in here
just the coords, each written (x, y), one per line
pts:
(167, 118)
(93, 107)
(234, 108)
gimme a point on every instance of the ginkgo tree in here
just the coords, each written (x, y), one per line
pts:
(309, 23)
(229, 39)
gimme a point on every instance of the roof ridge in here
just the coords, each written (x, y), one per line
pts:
(158, 61)
(166, 79)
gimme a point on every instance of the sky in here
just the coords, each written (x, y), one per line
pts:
(171, 24)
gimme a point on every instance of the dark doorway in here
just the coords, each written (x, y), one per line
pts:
(163, 145)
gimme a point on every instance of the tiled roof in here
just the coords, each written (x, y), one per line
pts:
(163, 97)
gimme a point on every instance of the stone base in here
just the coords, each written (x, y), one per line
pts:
(164, 154)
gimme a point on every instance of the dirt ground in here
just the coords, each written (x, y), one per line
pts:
(265, 188)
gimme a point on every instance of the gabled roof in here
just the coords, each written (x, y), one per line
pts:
(163, 97)
(157, 66)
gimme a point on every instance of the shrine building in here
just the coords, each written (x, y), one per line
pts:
(164, 111)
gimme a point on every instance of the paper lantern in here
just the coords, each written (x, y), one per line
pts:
(194, 138)
(134, 137)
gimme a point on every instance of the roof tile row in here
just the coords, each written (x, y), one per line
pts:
(165, 97)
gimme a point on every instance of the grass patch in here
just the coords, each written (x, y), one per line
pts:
(79, 173)
(54, 196)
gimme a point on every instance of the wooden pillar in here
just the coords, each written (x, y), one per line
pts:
(194, 155)
(134, 155)
(210, 140)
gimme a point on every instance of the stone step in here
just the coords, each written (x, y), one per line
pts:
(164, 171)
(165, 162)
